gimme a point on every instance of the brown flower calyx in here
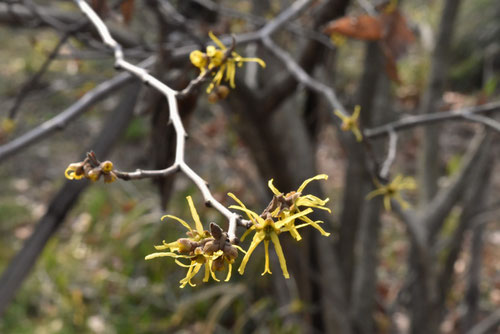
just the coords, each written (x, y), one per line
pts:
(280, 202)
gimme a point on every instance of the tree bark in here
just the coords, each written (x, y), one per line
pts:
(429, 154)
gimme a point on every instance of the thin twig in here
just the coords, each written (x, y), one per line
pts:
(60, 121)
(419, 120)
(391, 154)
(31, 83)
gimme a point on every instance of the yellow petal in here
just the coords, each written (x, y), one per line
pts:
(207, 272)
(69, 173)
(273, 188)
(231, 73)
(376, 192)
(387, 202)
(266, 266)
(228, 277)
(212, 273)
(256, 60)
(279, 252)
(257, 238)
(314, 224)
(355, 114)
(186, 225)
(254, 217)
(180, 264)
(340, 115)
(357, 133)
(162, 254)
(196, 218)
(216, 40)
(306, 182)
(397, 180)
(247, 232)
(288, 219)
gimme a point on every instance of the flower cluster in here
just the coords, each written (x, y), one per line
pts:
(221, 61)
(91, 169)
(392, 190)
(201, 247)
(351, 123)
(280, 216)
(213, 248)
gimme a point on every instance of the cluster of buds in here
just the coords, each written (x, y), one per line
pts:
(92, 169)
(220, 61)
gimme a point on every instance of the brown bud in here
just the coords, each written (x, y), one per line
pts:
(218, 264)
(215, 231)
(213, 97)
(222, 91)
(230, 252)
(211, 247)
(186, 245)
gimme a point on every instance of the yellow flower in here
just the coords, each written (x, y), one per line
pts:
(74, 171)
(290, 203)
(351, 123)
(266, 230)
(91, 169)
(393, 190)
(220, 59)
(198, 59)
(200, 248)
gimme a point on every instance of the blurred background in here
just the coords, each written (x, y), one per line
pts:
(72, 252)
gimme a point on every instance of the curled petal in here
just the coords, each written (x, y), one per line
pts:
(306, 182)
(194, 213)
(257, 239)
(247, 232)
(273, 188)
(216, 40)
(186, 225)
(314, 224)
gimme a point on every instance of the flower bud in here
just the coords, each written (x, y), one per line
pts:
(218, 264)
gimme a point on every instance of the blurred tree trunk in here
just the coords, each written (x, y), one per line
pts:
(432, 101)
(364, 291)
(357, 178)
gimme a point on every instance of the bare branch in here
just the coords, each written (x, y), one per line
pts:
(31, 83)
(302, 76)
(446, 198)
(391, 154)
(174, 117)
(489, 122)
(483, 327)
(421, 120)
(60, 121)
